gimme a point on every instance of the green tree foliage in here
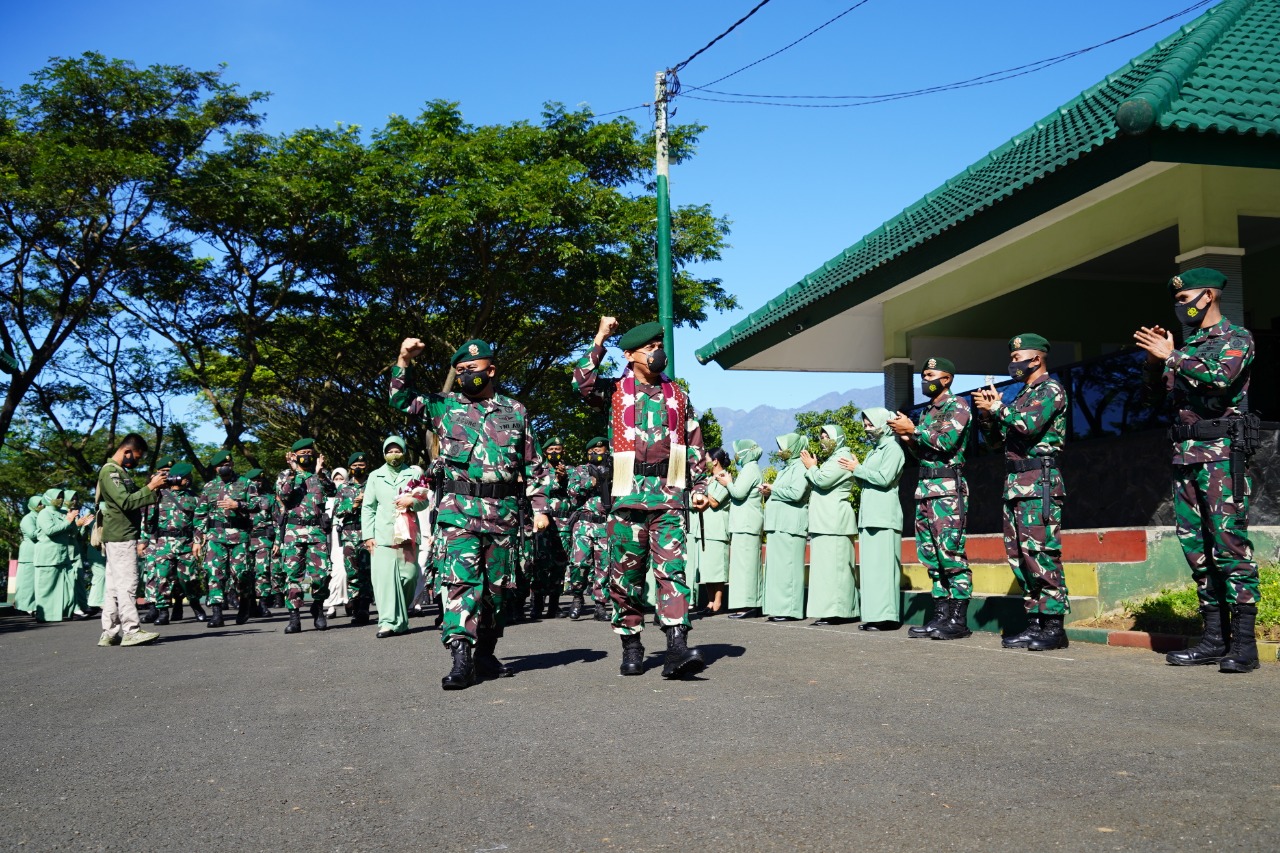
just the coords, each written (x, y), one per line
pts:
(712, 432)
(849, 418)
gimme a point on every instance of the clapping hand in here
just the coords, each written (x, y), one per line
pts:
(849, 463)
(986, 398)
(902, 425)
(1157, 343)
(807, 459)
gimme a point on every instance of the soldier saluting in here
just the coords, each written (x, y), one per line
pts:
(1208, 380)
(490, 460)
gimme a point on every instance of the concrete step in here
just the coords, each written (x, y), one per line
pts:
(997, 579)
(1118, 545)
(995, 613)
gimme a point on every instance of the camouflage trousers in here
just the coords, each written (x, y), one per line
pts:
(1034, 549)
(588, 561)
(258, 556)
(357, 563)
(640, 540)
(148, 576)
(225, 563)
(940, 545)
(1213, 528)
(304, 558)
(178, 572)
(475, 571)
(550, 557)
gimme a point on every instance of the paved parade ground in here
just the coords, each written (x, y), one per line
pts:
(793, 738)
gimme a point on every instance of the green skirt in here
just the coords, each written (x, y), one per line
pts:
(832, 594)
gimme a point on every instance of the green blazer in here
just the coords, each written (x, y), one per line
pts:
(829, 508)
(378, 512)
(787, 510)
(746, 514)
(54, 538)
(715, 522)
(878, 474)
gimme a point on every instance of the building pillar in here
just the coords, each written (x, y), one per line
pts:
(1227, 261)
(899, 384)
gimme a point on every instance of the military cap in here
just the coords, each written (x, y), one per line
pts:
(552, 442)
(474, 348)
(182, 469)
(1198, 279)
(934, 362)
(598, 441)
(358, 456)
(303, 444)
(220, 457)
(164, 462)
(252, 472)
(641, 335)
(1028, 340)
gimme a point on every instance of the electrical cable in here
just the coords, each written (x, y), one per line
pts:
(705, 47)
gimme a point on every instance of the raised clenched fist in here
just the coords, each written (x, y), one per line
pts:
(410, 348)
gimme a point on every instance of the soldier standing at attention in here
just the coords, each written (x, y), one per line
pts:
(171, 545)
(1033, 428)
(657, 456)
(150, 580)
(942, 499)
(348, 509)
(491, 459)
(222, 535)
(551, 554)
(262, 535)
(589, 485)
(303, 546)
(1208, 380)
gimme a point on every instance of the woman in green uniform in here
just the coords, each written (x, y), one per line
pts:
(394, 567)
(786, 520)
(713, 528)
(24, 594)
(832, 596)
(55, 585)
(746, 522)
(879, 524)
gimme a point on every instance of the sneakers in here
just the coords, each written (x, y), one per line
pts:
(108, 639)
(138, 638)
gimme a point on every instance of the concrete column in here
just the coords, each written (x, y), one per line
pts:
(1227, 261)
(899, 384)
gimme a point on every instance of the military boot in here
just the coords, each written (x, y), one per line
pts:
(162, 616)
(247, 605)
(360, 611)
(1050, 636)
(1212, 647)
(198, 611)
(632, 655)
(177, 608)
(553, 605)
(318, 619)
(463, 673)
(604, 611)
(537, 602)
(1021, 641)
(575, 608)
(263, 611)
(956, 626)
(151, 614)
(215, 621)
(941, 613)
(1243, 655)
(295, 623)
(681, 660)
(486, 662)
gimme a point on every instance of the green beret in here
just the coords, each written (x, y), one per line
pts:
(220, 457)
(303, 444)
(358, 456)
(1028, 341)
(551, 442)
(641, 335)
(1198, 279)
(164, 462)
(252, 472)
(934, 362)
(598, 441)
(474, 348)
(182, 469)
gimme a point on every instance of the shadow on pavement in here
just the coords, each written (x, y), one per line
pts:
(554, 659)
(15, 621)
(208, 632)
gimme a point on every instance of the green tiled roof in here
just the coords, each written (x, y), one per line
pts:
(1219, 73)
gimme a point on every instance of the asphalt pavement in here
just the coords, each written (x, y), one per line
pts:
(794, 738)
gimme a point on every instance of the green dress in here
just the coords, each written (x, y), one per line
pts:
(832, 594)
(55, 585)
(24, 594)
(393, 571)
(786, 520)
(713, 527)
(746, 522)
(880, 523)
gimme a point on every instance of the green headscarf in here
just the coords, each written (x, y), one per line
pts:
(34, 503)
(878, 417)
(791, 444)
(745, 450)
(68, 495)
(836, 433)
(53, 498)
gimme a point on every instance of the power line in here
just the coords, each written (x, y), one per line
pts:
(705, 47)
(981, 80)
(623, 110)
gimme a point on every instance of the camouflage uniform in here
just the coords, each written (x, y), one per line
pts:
(303, 543)
(942, 495)
(1034, 427)
(169, 537)
(551, 546)
(224, 537)
(262, 536)
(646, 528)
(588, 561)
(488, 447)
(355, 556)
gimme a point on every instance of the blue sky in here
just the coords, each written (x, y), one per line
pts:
(800, 185)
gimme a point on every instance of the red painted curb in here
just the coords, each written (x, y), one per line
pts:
(1078, 546)
(1143, 640)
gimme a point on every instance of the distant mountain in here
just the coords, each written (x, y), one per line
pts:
(764, 423)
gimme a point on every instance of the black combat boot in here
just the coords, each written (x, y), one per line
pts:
(463, 674)
(681, 660)
(486, 662)
(318, 619)
(941, 613)
(198, 611)
(1021, 641)
(1212, 647)
(151, 614)
(536, 602)
(575, 608)
(1243, 655)
(360, 611)
(162, 616)
(177, 608)
(215, 621)
(244, 612)
(295, 623)
(632, 655)
(263, 611)
(553, 604)
(956, 626)
(1050, 636)
(604, 611)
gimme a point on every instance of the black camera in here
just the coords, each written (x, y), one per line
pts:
(173, 481)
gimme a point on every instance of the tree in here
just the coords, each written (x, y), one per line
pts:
(87, 149)
(849, 418)
(712, 433)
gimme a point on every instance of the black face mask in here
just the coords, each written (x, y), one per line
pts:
(473, 382)
(555, 458)
(226, 474)
(595, 458)
(1020, 370)
(931, 387)
(307, 463)
(1188, 313)
(658, 360)
(357, 474)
